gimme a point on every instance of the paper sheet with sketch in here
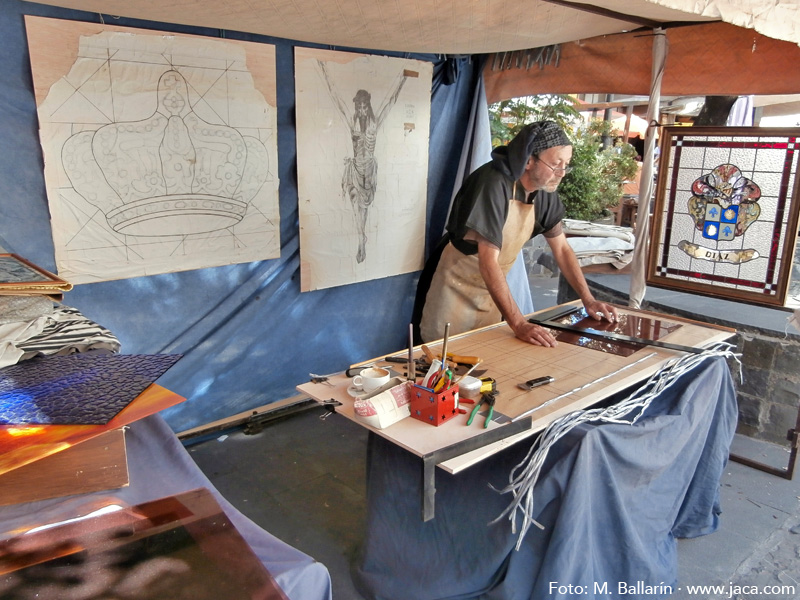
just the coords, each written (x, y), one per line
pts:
(160, 150)
(362, 161)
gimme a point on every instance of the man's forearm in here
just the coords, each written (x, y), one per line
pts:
(496, 283)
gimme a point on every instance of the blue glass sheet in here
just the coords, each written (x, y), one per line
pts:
(78, 389)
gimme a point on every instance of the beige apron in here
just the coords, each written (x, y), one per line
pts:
(458, 294)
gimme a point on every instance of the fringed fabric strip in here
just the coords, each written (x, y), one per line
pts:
(523, 477)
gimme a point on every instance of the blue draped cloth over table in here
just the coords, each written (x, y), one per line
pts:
(612, 498)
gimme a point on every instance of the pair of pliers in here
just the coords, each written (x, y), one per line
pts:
(443, 381)
(489, 399)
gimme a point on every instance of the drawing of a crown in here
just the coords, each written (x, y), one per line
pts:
(169, 174)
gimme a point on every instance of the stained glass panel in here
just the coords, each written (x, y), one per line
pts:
(726, 212)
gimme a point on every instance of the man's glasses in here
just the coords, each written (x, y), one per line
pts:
(556, 170)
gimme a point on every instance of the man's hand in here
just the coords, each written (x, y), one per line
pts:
(534, 334)
(600, 311)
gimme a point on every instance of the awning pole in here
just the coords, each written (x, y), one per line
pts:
(639, 263)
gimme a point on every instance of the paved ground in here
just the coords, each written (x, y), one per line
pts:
(302, 479)
(758, 543)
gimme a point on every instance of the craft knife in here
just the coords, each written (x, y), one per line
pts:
(534, 383)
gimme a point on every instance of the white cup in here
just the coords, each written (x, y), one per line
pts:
(371, 379)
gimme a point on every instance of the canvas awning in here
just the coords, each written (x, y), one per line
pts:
(447, 27)
(703, 59)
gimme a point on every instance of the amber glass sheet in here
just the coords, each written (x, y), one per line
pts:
(22, 445)
(629, 325)
(179, 547)
(727, 214)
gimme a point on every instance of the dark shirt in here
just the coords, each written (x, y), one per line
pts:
(482, 206)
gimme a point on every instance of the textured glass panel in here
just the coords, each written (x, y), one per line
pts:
(760, 243)
(83, 388)
(771, 139)
(20, 446)
(730, 203)
(715, 157)
(769, 208)
(692, 158)
(754, 270)
(679, 260)
(769, 161)
(682, 227)
(702, 266)
(686, 177)
(744, 159)
(726, 270)
(769, 183)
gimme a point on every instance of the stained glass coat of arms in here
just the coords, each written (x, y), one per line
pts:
(726, 212)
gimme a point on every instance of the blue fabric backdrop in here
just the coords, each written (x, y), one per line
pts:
(247, 333)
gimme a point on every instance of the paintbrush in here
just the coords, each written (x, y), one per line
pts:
(444, 347)
(411, 368)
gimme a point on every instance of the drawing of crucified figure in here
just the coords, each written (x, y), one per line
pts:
(360, 176)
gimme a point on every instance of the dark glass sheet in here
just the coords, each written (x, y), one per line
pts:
(178, 548)
(629, 325)
(84, 388)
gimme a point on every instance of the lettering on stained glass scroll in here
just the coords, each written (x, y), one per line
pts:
(726, 213)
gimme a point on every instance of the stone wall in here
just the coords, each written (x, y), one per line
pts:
(769, 395)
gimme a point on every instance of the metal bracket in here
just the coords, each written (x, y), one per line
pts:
(256, 422)
(793, 435)
(429, 461)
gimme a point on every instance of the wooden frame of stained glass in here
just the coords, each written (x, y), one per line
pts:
(726, 212)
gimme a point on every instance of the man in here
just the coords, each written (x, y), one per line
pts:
(501, 206)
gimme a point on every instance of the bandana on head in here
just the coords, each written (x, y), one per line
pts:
(533, 139)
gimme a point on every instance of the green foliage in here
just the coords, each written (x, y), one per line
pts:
(595, 183)
(580, 189)
(506, 118)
